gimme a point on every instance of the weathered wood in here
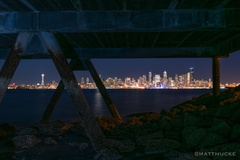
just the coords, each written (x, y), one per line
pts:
(53, 102)
(102, 89)
(91, 126)
(11, 63)
(216, 75)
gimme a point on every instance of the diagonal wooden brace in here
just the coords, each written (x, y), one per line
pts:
(91, 126)
(89, 65)
(11, 63)
(84, 64)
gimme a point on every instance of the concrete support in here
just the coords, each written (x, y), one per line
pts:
(91, 126)
(102, 89)
(216, 75)
(11, 62)
(53, 102)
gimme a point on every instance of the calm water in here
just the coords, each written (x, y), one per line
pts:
(27, 106)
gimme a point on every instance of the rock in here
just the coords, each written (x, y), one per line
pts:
(25, 140)
(173, 134)
(235, 134)
(52, 129)
(165, 124)
(161, 146)
(108, 122)
(236, 116)
(142, 140)
(196, 137)
(178, 122)
(106, 154)
(7, 129)
(227, 110)
(29, 131)
(75, 127)
(190, 120)
(221, 128)
(212, 139)
(83, 146)
(49, 140)
(122, 145)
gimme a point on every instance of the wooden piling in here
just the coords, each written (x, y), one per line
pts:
(216, 75)
(89, 65)
(91, 126)
(53, 102)
(11, 63)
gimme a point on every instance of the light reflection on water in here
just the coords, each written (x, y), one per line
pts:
(21, 106)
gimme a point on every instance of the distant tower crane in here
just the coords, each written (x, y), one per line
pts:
(42, 79)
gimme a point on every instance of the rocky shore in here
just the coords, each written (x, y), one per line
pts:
(204, 128)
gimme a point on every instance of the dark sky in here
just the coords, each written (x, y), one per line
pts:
(29, 71)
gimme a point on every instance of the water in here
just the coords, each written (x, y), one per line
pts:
(27, 106)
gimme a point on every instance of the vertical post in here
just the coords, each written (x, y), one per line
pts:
(102, 89)
(216, 75)
(56, 95)
(91, 126)
(11, 62)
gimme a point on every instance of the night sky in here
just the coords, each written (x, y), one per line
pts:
(29, 71)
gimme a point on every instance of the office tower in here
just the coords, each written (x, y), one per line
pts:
(128, 80)
(82, 80)
(165, 75)
(42, 79)
(144, 79)
(191, 74)
(150, 77)
(188, 78)
(157, 78)
(87, 80)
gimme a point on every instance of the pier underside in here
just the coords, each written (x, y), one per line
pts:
(81, 30)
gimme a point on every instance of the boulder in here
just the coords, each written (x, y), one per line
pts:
(235, 133)
(196, 137)
(221, 128)
(28, 131)
(161, 146)
(212, 139)
(142, 140)
(25, 140)
(165, 124)
(7, 129)
(49, 140)
(236, 116)
(83, 146)
(191, 120)
(122, 146)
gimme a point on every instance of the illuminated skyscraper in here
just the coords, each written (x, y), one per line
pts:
(82, 80)
(42, 79)
(144, 79)
(157, 78)
(165, 75)
(150, 77)
(87, 80)
(191, 74)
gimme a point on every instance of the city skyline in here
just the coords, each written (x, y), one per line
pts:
(130, 67)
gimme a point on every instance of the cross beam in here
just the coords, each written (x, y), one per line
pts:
(119, 21)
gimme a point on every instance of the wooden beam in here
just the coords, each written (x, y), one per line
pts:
(87, 117)
(89, 65)
(11, 63)
(120, 21)
(216, 75)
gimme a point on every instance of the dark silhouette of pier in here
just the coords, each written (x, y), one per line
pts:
(81, 30)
